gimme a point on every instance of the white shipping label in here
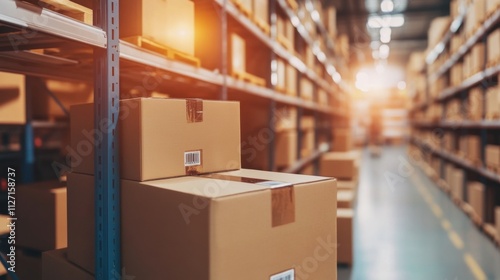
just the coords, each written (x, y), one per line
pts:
(192, 158)
(285, 275)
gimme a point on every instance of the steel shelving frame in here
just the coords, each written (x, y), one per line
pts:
(35, 27)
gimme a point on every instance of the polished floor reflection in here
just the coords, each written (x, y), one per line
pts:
(406, 228)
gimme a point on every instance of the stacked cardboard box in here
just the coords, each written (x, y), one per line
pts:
(476, 197)
(493, 103)
(291, 80)
(477, 55)
(492, 157)
(330, 21)
(341, 165)
(436, 30)
(307, 126)
(306, 90)
(41, 225)
(12, 98)
(476, 101)
(342, 140)
(286, 138)
(457, 184)
(286, 32)
(345, 236)
(474, 149)
(492, 50)
(456, 74)
(183, 211)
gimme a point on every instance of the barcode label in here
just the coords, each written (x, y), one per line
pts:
(192, 158)
(285, 275)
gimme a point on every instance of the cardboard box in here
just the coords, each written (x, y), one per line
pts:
(322, 97)
(341, 165)
(476, 199)
(308, 143)
(477, 57)
(57, 266)
(261, 11)
(191, 228)
(492, 50)
(28, 264)
(437, 28)
(286, 118)
(474, 148)
(208, 131)
(286, 148)
(457, 183)
(347, 185)
(286, 32)
(291, 80)
(42, 216)
(238, 54)
(342, 140)
(479, 11)
(476, 101)
(166, 22)
(492, 156)
(345, 198)
(493, 103)
(491, 7)
(331, 21)
(68, 93)
(12, 98)
(345, 236)
(306, 89)
(308, 170)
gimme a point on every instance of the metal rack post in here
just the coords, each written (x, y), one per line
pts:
(106, 167)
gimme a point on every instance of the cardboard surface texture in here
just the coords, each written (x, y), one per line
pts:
(155, 134)
(286, 148)
(12, 98)
(344, 236)
(191, 228)
(492, 156)
(341, 165)
(42, 216)
(476, 198)
(56, 266)
(342, 140)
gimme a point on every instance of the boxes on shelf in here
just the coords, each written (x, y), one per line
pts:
(476, 101)
(57, 266)
(245, 6)
(345, 198)
(261, 14)
(71, 8)
(29, 264)
(185, 211)
(306, 89)
(323, 97)
(479, 12)
(167, 23)
(456, 74)
(492, 49)
(342, 140)
(476, 199)
(449, 170)
(457, 184)
(493, 103)
(437, 29)
(291, 80)
(207, 140)
(238, 68)
(286, 148)
(42, 216)
(342, 45)
(491, 7)
(330, 21)
(474, 149)
(492, 157)
(68, 93)
(453, 110)
(286, 33)
(477, 55)
(345, 236)
(456, 42)
(463, 143)
(341, 165)
(307, 125)
(12, 98)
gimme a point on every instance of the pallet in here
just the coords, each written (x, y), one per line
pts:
(244, 10)
(293, 4)
(244, 76)
(168, 52)
(285, 42)
(263, 25)
(70, 9)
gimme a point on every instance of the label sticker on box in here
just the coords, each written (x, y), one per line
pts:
(285, 275)
(192, 158)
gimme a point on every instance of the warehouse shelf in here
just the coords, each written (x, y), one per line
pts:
(459, 161)
(317, 19)
(470, 82)
(488, 24)
(24, 15)
(300, 164)
(440, 47)
(484, 124)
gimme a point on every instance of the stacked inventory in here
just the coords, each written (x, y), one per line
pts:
(456, 127)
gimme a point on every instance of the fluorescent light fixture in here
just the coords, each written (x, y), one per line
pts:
(336, 77)
(309, 5)
(375, 54)
(383, 51)
(331, 69)
(401, 85)
(297, 63)
(321, 56)
(374, 45)
(385, 35)
(295, 20)
(387, 6)
(386, 21)
(315, 15)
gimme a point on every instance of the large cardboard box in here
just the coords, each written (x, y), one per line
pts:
(42, 216)
(493, 103)
(476, 199)
(238, 54)
(161, 138)
(308, 143)
(286, 148)
(476, 104)
(56, 266)
(474, 148)
(331, 21)
(342, 139)
(192, 228)
(167, 22)
(345, 198)
(345, 236)
(492, 49)
(492, 6)
(28, 264)
(306, 89)
(477, 57)
(291, 80)
(457, 183)
(261, 12)
(12, 98)
(492, 156)
(286, 32)
(67, 93)
(437, 28)
(341, 165)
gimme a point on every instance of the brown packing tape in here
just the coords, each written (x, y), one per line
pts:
(194, 110)
(282, 197)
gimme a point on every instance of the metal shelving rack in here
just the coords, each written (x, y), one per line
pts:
(481, 127)
(30, 27)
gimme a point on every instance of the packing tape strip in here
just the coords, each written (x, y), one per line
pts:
(282, 196)
(194, 110)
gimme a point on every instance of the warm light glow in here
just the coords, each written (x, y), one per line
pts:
(380, 68)
(374, 45)
(315, 15)
(401, 85)
(385, 35)
(384, 51)
(375, 54)
(386, 21)
(387, 6)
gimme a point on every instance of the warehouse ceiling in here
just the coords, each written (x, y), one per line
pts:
(352, 19)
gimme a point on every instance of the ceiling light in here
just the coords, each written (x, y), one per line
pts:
(386, 21)
(383, 51)
(375, 54)
(401, 85)
(385, 35)
(374, 45)
(387, 6)
(315, 15)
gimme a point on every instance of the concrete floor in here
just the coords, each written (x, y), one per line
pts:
(406, 228)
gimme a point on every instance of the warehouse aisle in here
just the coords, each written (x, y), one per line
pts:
(406, 228)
